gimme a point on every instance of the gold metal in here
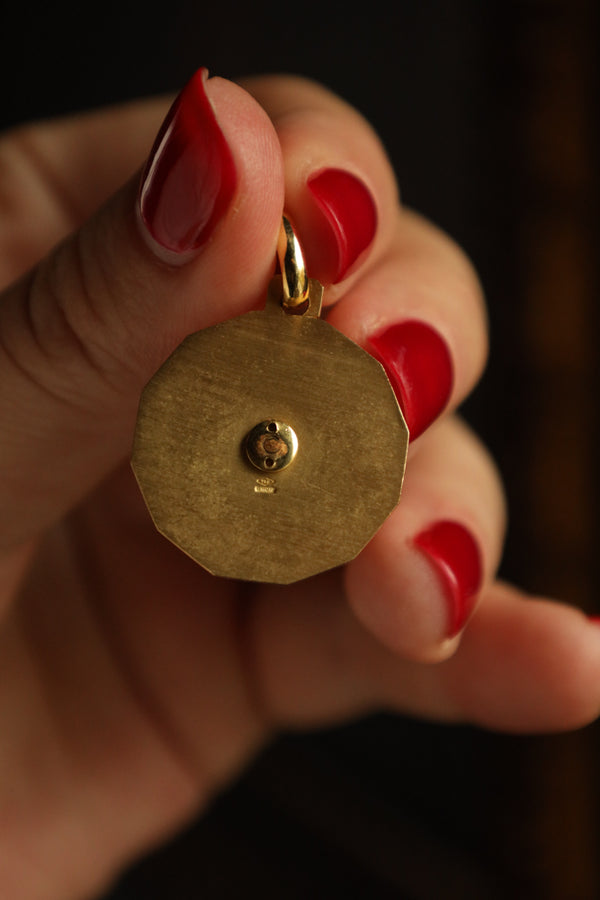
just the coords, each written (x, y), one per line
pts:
(293, 271)
(190, 456)
(271, 446)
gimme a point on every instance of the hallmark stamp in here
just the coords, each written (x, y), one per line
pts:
(264, 485)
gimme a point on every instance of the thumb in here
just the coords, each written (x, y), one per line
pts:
(83, 332)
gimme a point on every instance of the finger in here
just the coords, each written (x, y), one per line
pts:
(420, 311)
(55, 174)
(82, 334)
(408, 293)
(524, 665)
(340, 189)
(417, 582)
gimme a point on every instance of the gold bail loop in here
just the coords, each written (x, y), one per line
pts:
(293, 271)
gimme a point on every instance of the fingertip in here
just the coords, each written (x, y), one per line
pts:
(215, 159)
(419, 365)
(454, 555)
(397, 594)
(348, 221)
(341, 191)
(575, 677)
(527, 664)
(190, 177)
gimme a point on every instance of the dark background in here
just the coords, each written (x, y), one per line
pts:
(488, 111)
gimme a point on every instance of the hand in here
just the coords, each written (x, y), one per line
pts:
(134, 685)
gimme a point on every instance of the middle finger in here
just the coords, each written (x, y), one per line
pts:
(404, 289)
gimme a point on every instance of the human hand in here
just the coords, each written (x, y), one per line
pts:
(135, 685)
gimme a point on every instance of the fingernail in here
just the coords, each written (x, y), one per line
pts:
(350, 213)
(418, 363)
(190, 176)
(455, 556)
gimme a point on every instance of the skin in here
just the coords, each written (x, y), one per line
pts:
(134, 685)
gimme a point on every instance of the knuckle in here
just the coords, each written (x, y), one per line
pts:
(63, 342)
(35, 210)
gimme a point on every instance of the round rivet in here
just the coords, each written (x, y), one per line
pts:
(271, 445)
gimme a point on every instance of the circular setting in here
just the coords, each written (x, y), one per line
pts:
(271, 445)
(212, 451)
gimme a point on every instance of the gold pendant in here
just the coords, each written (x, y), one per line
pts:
(271, 447)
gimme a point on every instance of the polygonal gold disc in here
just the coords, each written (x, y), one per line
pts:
(264, 369)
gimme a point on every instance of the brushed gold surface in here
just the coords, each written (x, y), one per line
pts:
(189, 454)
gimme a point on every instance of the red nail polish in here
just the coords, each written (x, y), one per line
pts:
(418, 363)
(190, 176)
(350, 213)
(457, 560)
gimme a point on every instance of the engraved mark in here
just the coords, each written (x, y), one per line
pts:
(265, 486)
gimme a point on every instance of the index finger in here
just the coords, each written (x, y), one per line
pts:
(55, 174)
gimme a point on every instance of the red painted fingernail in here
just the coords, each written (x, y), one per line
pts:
(350, 213)
(190, 176)
(595, 620)
(418, 363)
(456, 559)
